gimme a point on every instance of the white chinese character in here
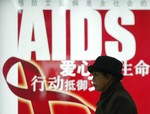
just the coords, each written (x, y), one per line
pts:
(56, 83)
(38, 80)
(130, 2)
(81, 69)
(102, 3)
(61, 3)
(126, 69)
(34, 2)
(68, 68)
(142, 68)
(116, 2)
(21, 2)
(89, 2)
(91, 88)
(70, 85)
(75, 2)
(48, 2)
(143, 3)
(82, 85)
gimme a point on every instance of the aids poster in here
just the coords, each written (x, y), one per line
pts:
(47, 45)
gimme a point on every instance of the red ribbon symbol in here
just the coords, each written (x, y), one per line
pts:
(37, 98)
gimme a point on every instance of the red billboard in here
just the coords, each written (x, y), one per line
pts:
(46, 47)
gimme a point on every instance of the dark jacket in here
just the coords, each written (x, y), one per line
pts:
(116, 100)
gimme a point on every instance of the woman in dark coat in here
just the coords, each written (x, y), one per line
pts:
(106, 78)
